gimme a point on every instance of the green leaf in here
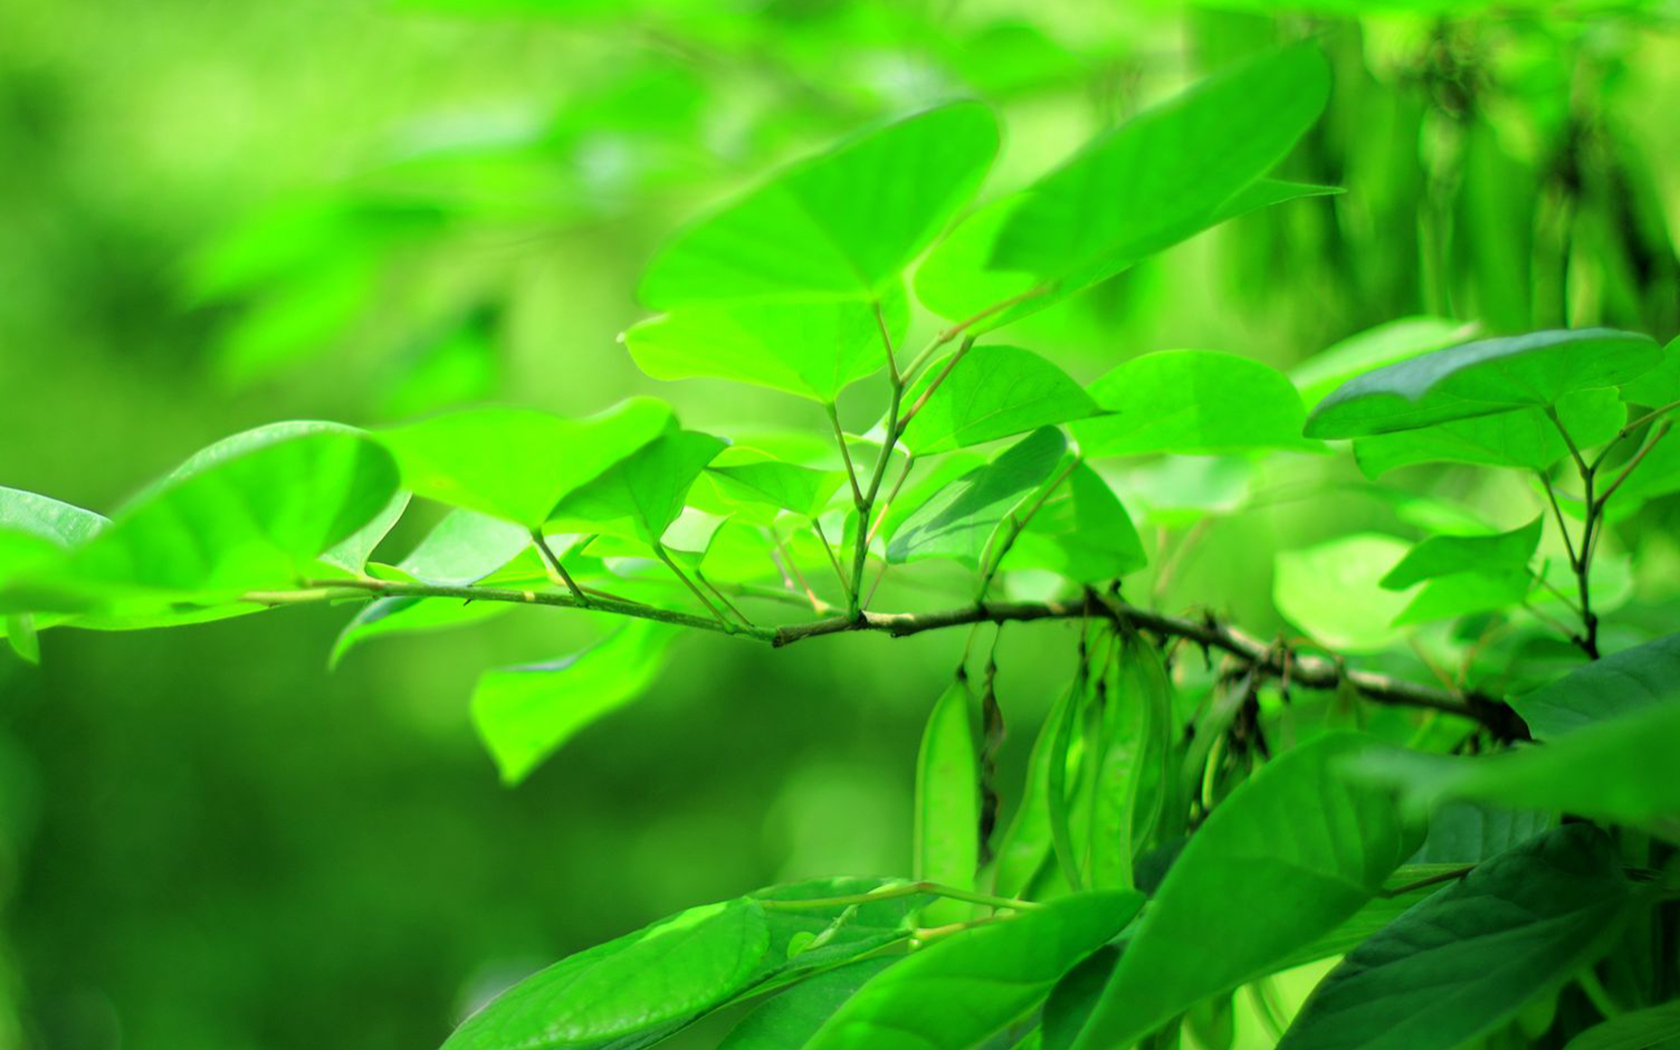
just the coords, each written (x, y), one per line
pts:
(253, 511)
(463, 548)
(811, 348)
(1445, 555)
(789, 1020)
(1069, 1005)
(1192, 401)
(1130, 765)
(351, 553)
(1374, 916)
(1653, 1028)
(751, 476)
(842, 223)
(1287, 857)
(990, 392)
(947, 825)
(659, 976)
(1661, 385)
(986, 978)
(1618, 771)
(1164, 174)
(1026, 844)
(1482, 378)
(1525, 439)
(958, 520)
(524, 713)
(407, 615)
(518, 463)
(1515, 927)
(805, 938)
(1464, 593)
(1331, 591)
(21, 636)
(642, 494)
(61, 524)
(1386, 344)
(1469, 833)
(1082, 533)
(1631, 680)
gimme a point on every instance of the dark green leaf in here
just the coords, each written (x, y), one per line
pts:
(1619, 684)
(1386, 344)
(789, 1020)
(1653, 1028)
(1482, 378)
(1517, 926)
(991, 392)
(1469, 833)
(1070, 1003)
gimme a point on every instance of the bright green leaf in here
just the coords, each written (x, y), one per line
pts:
(753, 477)
(406, 615)
(948, 803)
(1445, 555)
(990, 392)
(1331, 591)
(642, 494)
(21, 636)
(1660, 386)
(1525, 439)
(463, 548)
(958, 520)
(1377, 347)
(1082, 532)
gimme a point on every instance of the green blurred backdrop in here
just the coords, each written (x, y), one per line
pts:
(217, 215)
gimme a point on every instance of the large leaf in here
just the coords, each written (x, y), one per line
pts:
(985, 978)
(947, 826)
(463, 548)
(842, 223)
(642, 494)
(958, 520)
(524, 713)
(1517, 926)
(1661, 385)
(1445, 555)
(645, 981)
(1469, 832)
(1166, 173)
(517, 463)
(1621, 683)
(1082, 532)
(1290, 855)
(1481, 378)
(1386, 344)
(1524, 439)
(790, 1019)
(811, 348)
(991, 392)
(1653, 1028)
(1192, 401)
(253, 511)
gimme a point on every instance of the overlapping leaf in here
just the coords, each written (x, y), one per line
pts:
(947, 827)
(988, 393)
(959, 519)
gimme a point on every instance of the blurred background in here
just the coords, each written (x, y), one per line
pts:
(218, 215)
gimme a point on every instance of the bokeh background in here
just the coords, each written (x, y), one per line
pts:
(218, 215)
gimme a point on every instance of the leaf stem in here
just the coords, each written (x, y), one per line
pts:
(664, 556)
(556, 571)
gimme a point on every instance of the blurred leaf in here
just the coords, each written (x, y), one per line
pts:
(1653, 1028)
(1082, 533)
(408, 615)
(1386, 344)
(1332, 592)
(351, 553)
(525, 713)
(1462, 593)
(811, 348)
(1660, 385)
(644, 491)
(842, 223)
(1257, 881)
(458, 366)
(808, 937)
(21, 636)
(1622, 683)
(1525, 439)
(1516, 926)
(1469, 833)
(986, 977)
(958, 520)
(463, 548)
(62, 524)
(991, 392)
(1176, 491)
(518, 463)
(948, 803)
(1402, 893)
(1445, 555)
(1192, 401)
(662, 975)
(790, 1019)
(1482, 378)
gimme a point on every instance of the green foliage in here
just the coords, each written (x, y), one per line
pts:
(948, 802)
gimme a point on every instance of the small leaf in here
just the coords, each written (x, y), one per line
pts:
(1482, 378)
(806, 938)
(1026, 845)
(21, 636)
(986, 977)
(1515, 927)
(1653, 1028)
(842, 223)
(1661, 385)
(351, 553)
(1525, 439)
(810, 348)
(642, 494)
(1082, 533)
(463, 548)
(1192, 401)
(958, 520)
(662, 975)
(1386, 344)
(1288, 856)
(947, 825)
(406, 615)
(524, 713)
(1445, 555)
(990, 392)
(752, 477)
(1331, 591)
(1644, 676)
(789, 1020)
(518, 463)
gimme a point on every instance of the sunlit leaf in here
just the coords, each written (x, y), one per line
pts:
(642, 982)
(991, 392)
(61, 524)
(843, 223)
(642, 493)
(1288, 856)
(1525, 439)
(524, 713)
(1082, 532)
(948, 802)
(1192, 401)
(406, 615)
(351, 553)
(463, 548)
(1516, 926)
(958, 520)
(1386, 344)
(1482, 378)
(1332, 591)
(986, 978)
(518, 463)
(1445, 555)
(1462, 593)
(753, 477)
